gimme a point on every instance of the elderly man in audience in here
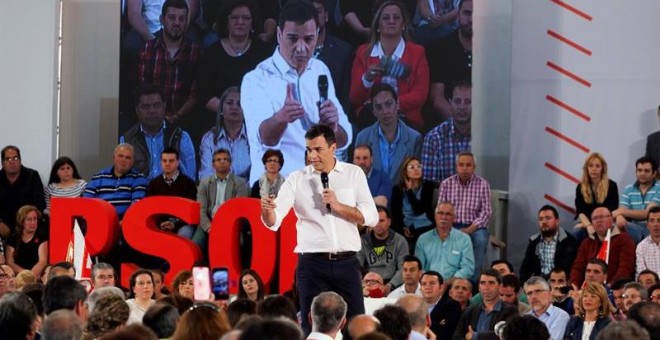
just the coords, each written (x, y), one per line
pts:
(634, 293)
(411, 273)
(363, 324)
(552, 247)
(103, 275)
(372, 289)
(328, 315)
(540, 297)
(418, 315)
(379, 182)
(445, 249)
(621, 248)
(648, 250)
(383, 251)
(19, 186)
(470, 196)
(460, 290)
(443, 310)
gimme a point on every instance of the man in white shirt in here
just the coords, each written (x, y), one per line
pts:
(281, 96)
(327, 232)
(328, 316)
(411, 273)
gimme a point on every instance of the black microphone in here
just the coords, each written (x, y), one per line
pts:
(324, 181)
(323, 89)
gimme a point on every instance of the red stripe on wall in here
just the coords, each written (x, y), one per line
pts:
(568, 108)
(572, 9)
(569, 42)
(562, 173)
(568, 74)
(566, 139)
(560, 204)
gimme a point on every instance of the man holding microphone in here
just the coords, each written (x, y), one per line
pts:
(330, 198)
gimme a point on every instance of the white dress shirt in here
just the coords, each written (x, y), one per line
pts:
(401, 291)
(319, 230)
(263, 92)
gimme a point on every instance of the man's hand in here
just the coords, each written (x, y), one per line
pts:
(291, 110)
(328, 114)
(373, 71)
(468, 335)
(268, 209)
(330, 198)
(167, 226)
(470, 229)
(621, 221)
(429, 333)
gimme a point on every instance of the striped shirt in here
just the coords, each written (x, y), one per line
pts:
(648, 255)
(121, 192)
(54, 190)
(441, 145)
(471, 200)
(632, 197)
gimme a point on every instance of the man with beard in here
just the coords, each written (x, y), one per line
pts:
(450, 61)
(444, 142)
(170, 62)
(552, 248)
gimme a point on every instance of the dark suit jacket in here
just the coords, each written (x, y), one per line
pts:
(564, 255)
(471, 316)
(576, 324)
(653, 146)
(206, 192)
(444, 317)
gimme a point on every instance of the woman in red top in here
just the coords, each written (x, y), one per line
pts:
(391, 57)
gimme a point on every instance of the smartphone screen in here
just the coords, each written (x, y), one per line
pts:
(201, 283)
(221, 283)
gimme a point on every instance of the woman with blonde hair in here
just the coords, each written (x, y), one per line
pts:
(595, 190)
(27, 248)
(594, 313)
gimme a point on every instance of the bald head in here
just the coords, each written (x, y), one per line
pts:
(362, 324)
(417, 310)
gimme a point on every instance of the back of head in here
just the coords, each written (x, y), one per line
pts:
(416, 308)
(202, 321)
(394, 322)
(239, 310)
(623, 330)
(17, 316)
(328, 312)
(277, 306)
(374, 336)
(99, 293)
(363, 324)
(63, 292)
(111, 312)
(523, 327)
(181, 303)
(134, 331)
(272, 329)
(647, 315)
(62, 324)
(162, 319)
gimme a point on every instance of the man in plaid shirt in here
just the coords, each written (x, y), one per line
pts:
(444, 142)
(470, 195)
(170, 62)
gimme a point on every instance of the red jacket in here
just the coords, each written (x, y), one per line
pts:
(621, 260)
(413, 91)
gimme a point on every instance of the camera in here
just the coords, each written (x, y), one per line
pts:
(394, 68)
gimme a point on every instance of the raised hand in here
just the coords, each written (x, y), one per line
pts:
(291, 110)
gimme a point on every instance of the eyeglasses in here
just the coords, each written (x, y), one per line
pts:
(655, 297)
(205, 305)
(632, 296)
(372, 282)
(236, 17)
(414, 166)
(273, 160)
(12, 159)
(600, 217)
(534, 292)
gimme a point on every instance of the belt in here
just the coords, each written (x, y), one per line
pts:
(342, 255)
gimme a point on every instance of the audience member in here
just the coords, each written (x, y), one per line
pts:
(411, 273)
(654, 293)
(162, 319)
(540, 298)
(648, 278)
(153, 133)
(451, 62)
(390, 139)
(390, 57)
(594, 313)
(394, 322)
(171, 182)
(277, 306)
(19, 186)
(64, 181)
(383, 251)
(622, 331)
(379, 182)
(435, 20)
(159, 284)
(412, 202)
(634, 293)
(637, 199)
(183, 284)
(140, 295)
(64, 292)
(647, 315)
(24, 277)
(36, 293)
(101, 292)
(523, 327)
(271, 181)
(552, 247)
(131, 332)
(418, 315)
(103, 275)
(272, 329)
(444, 142)
(618, 291)
(228, 132)
(621, 253)
(17, 316)
(470, 195)
(460, 290)
(278, 113)
(479, 320)
(445, 249)
(251, 286)
(169, 61)
(594, 190)
(443, 311)
(362, 324)
(648, 250)
(239, 310)
(328, 315)
(510, 293)
(62, 324)
(356, 20)
(27, 248)
(202, 321)
(214, 191)
(181, 303)
(110, 313)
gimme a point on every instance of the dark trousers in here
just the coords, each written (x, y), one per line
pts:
(316, 275)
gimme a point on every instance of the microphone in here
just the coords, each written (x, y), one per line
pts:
(324, 181)
(323, 89)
